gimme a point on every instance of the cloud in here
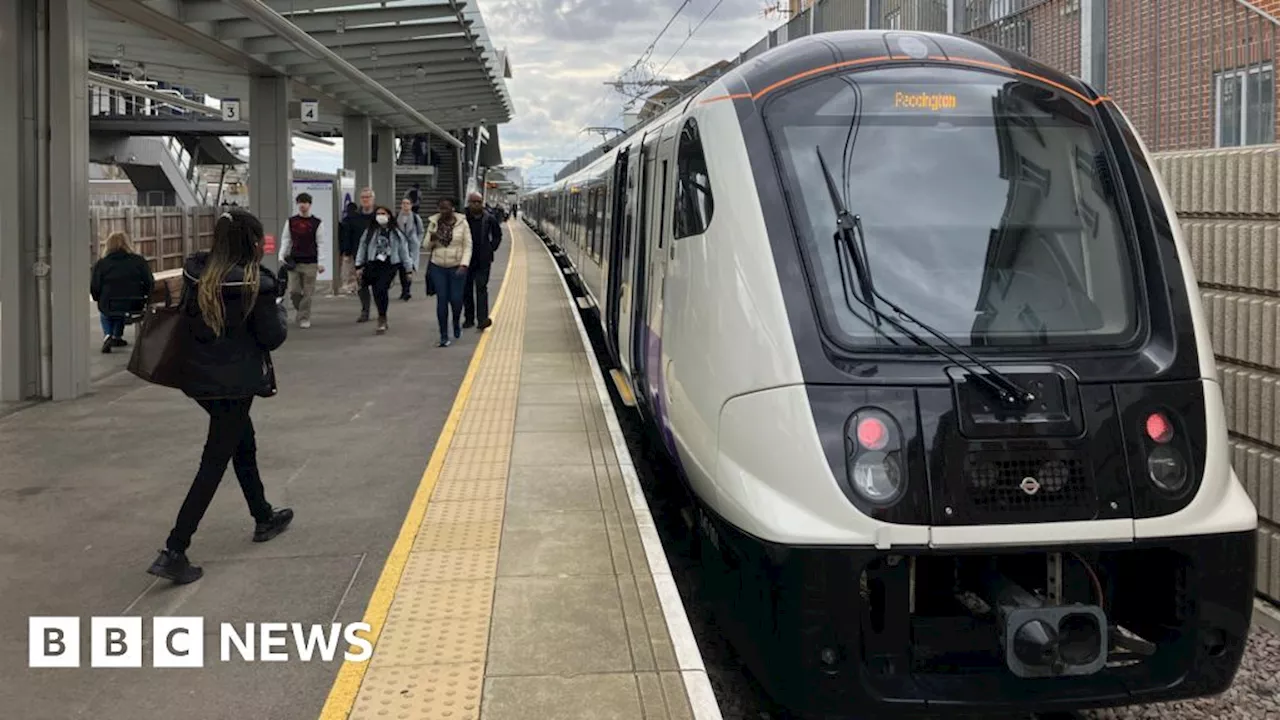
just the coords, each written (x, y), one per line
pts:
(564, 51)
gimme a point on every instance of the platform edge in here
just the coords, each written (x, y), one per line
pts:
(698, 689)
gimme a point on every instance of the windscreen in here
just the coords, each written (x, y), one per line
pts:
(985, 203)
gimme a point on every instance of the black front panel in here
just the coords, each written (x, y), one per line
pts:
(956, 479)
(979, 481)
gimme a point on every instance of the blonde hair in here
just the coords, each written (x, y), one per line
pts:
(118, 240)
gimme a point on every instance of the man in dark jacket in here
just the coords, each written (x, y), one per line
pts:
(486, 236)
(350, 228)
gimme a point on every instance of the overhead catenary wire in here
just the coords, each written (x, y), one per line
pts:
(692, 32)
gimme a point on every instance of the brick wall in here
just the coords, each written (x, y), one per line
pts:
(1047, 31)
(1228, 202)
(1163, 58)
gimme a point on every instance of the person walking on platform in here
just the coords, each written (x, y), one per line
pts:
(486, 237)
(235, 317)
(449, 252)
(300, 245)
(368, 208)
(383, 251)
(121, 284)
(410, 224)
(350, 229)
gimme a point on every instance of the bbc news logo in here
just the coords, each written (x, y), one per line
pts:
(178, 642)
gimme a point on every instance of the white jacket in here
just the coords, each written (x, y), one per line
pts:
(458, 252)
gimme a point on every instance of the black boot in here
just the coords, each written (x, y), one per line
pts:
(107, 345)
(174, 565)
(280, 520)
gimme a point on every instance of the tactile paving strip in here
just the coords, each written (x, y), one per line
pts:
(494, 455)
(456, 490)
(448, 692)
(438, 641)
(458, 536)
(426, 600)
(467, 511)
(474, 441)
(449, 566)
(489, 471)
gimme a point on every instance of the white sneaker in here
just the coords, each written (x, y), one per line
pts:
(304, 324)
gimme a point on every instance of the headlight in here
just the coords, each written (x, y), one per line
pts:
(875, 457)
(878, 477)
(1167, 469)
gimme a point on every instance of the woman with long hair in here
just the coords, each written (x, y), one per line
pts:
(450, 251)
(235, 317)
(121, 284)
(383, 251)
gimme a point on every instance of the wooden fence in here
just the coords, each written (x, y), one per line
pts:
(164, 235)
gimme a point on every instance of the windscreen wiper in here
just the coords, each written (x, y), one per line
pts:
(846, 224)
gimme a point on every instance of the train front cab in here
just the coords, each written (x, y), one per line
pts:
(890, 537)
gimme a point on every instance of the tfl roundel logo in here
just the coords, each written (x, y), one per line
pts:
(1029, 485)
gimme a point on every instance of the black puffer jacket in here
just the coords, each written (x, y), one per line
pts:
(235, 364)
(118, 279)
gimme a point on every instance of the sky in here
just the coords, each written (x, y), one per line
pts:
(563, 51)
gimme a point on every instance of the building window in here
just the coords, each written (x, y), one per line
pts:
(1246, 106)
(693, 202)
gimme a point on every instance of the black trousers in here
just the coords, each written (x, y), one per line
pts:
(475, 295)
(406, 282)
(230, 439)
(377, 277)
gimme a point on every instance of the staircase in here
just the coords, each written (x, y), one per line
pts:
(158, 166)
(445, 179)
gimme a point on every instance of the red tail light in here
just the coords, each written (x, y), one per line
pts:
(1159, 429)
(872, 434)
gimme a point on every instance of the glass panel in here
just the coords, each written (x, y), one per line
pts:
(977, 193)
(1229, 111)
(1261, 107)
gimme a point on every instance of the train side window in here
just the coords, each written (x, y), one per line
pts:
(693, 204)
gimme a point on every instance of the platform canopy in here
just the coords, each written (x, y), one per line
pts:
(413, 65)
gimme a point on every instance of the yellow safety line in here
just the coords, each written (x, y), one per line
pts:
(346, 686)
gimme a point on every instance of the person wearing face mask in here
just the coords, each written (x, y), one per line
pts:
(383, 251)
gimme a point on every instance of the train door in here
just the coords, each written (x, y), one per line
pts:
(644, 247)
(664, 158)
(631, 235)
(613, 254)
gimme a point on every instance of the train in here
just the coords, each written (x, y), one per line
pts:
(914, 319)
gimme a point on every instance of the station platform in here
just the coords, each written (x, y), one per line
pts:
(518, 576)
(528, 581)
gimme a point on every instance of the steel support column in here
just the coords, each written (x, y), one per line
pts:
(1093, 43)
(384, 168)
(270, 151)
(44, 196)
(357, 156)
